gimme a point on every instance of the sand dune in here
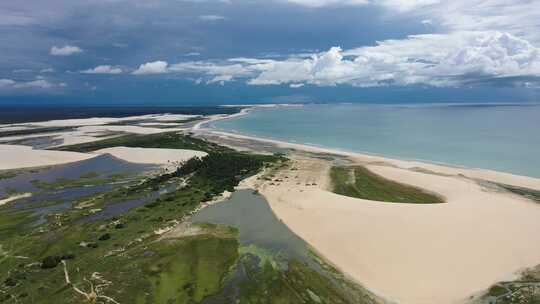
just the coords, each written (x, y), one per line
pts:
(409, 253)
(151, 155)
(14, 156)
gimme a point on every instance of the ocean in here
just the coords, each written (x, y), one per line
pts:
(503, 137)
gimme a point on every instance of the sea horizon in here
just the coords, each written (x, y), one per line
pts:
(513, 140)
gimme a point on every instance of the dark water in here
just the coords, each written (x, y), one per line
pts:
(42, 142)
(257, 224)
(45, 201)
(103, 165)
(19, 114)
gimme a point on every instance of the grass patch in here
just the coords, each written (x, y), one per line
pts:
(168, 140)
(525, 192)
(189, 270)
(361, 183)
(7, 174)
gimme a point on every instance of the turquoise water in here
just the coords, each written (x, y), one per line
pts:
(499, 137)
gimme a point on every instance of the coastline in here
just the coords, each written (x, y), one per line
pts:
(474, 173)
(444, 253)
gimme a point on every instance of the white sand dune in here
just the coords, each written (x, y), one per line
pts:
(92, 133)
(15, 156)
(410, 253)
(95, 121)
(151, 155)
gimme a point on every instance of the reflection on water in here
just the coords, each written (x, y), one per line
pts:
(41, 142)
(46, 201)
(257, 224)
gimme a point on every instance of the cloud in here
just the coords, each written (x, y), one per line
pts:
(517, 17)
(439, 60)
(103, 69)
(38, 83)
(155, 67)
(296, 85)
(6, 82)
(321, 3)
(22, 71)
(211, 18)
(66, 50)
(47, 70)
(220, 72)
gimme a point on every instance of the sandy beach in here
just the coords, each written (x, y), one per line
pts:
(407, 253)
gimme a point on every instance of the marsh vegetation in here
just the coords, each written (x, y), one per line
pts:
(361, 183)
(74, 256)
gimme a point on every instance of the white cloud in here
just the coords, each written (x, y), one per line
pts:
(155, 67)
(321, 3)
(219, 72)
(47, 70)
(66, 50)
(40, 83)
(103, 69)
(407, 5)
(22, 71)
(211, 17)
(6, 82)
(518, 17)
(442, 60)
(34, 84)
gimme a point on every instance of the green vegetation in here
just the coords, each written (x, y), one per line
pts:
(190, 269)
(525, 289)
(86, 179)
(525, 192)
(261, 277)
(361, 183)
(169, 140)
(123, 258)
(7, 174)
(123, 254)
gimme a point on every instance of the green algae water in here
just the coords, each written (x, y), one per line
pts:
(257, 224)
(490, 136)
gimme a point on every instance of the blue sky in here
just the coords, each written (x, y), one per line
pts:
(247, 51)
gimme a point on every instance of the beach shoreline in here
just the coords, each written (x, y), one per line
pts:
(405, 253)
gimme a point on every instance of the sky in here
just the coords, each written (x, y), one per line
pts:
(189, 52)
